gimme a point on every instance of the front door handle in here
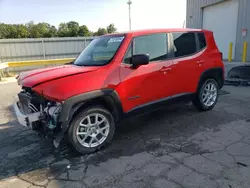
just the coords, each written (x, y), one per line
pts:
(165, 70)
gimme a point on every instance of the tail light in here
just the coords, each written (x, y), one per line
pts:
(221, 56)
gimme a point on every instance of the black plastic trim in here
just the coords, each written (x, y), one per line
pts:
(197, 42)
(154, 105)
(134, 97)
(69, 104)
(215, 73)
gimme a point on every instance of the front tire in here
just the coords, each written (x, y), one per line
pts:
(207, 95)
(91, 129)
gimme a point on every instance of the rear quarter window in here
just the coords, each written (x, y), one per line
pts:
(184, 44)
(202, 41)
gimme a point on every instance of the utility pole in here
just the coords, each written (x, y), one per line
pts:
(129, 13)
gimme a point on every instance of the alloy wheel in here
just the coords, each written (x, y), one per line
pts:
(92, 130)
(209, 94)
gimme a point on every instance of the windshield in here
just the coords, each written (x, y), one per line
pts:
(100, 51)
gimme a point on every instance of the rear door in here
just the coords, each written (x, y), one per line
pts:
(147, 83)
(188, 60)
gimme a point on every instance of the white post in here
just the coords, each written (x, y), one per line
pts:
(44, 52)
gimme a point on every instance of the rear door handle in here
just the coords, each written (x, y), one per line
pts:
(200, 62)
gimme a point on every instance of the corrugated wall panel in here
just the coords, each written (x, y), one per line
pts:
(30, 49)
(194, 11)
(243, 23)
(16, 51)
(194, 20)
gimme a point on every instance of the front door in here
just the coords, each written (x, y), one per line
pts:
(147, 83)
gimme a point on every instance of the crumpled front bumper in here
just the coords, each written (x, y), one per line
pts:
(26, 119)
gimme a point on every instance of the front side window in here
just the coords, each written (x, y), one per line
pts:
(128, 55)
(100, 51)
(154, 45)
(184, 44)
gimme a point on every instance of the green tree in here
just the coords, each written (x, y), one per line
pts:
(73, 29)
(22, 31)
(100, 31)
(13, 31)
(53, 31)
(69, 29)
(62, 30)
(111, 28)
(84, 31)
(45, 30)
(4, 29)
(33, 30)
(39, 30)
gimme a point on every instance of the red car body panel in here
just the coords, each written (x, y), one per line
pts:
(143, 85)
(195, 65)
(135, 87)
(34, 77)
(66, 87)
(187, 83)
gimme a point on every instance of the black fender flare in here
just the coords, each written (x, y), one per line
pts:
(215, 73)
(70, 106)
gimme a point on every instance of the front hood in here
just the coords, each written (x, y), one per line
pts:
(35, 77)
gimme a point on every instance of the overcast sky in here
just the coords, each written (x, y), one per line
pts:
(96, 13)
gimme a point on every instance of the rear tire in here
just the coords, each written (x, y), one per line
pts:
(91, 129)
(207, 95)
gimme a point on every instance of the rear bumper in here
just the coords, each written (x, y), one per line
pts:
(26, 119)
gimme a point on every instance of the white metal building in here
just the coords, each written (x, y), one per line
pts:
(228, 19)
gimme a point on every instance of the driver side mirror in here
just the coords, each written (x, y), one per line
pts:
(140, 59)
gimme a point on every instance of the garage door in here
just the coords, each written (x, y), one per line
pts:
(222, 19)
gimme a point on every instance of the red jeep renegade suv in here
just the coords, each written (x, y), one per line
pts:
(118, 75)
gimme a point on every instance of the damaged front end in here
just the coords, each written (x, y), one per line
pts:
(39, 114)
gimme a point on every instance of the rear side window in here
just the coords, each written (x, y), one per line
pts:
(202, 40)
(184, 44)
